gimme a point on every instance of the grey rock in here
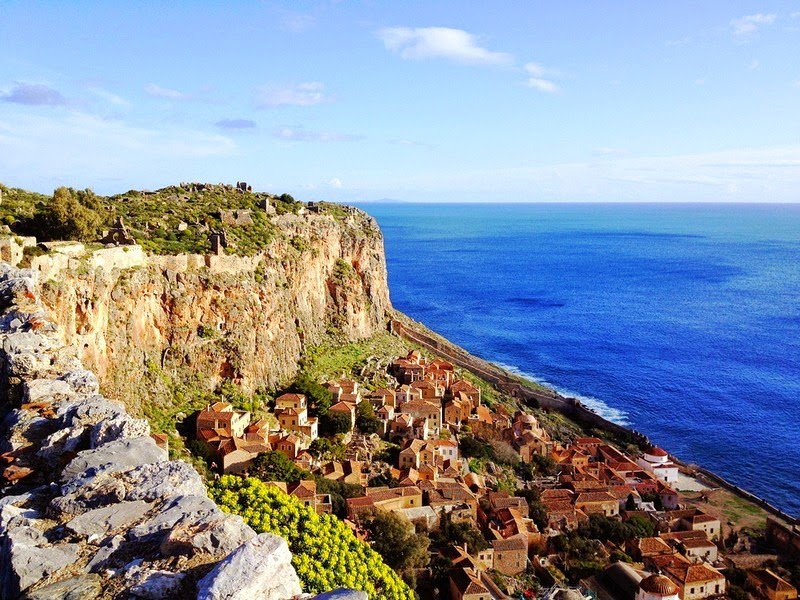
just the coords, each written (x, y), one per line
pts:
(82, 381)
(259, 569)
(62, 441)
(181, 509)
(101, 491)
(24, 565)
(108, 519)
(154, 584)
(121, 426)
(218, 534)
(104, 553)
(47, 389)
(114, 457)
(81, 587)
(162, 480)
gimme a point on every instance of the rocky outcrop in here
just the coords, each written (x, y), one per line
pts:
(90, 505)
(219, 317)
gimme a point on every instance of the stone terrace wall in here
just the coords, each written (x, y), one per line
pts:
(90, 506)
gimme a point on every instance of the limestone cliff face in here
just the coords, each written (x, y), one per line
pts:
(246, 319)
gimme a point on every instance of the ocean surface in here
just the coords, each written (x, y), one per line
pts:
(681, 321)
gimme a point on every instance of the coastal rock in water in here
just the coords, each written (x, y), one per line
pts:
(260, 569)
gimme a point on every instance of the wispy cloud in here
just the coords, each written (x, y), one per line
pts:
(34, 94)
(109, 97)
(80, 147)
(235, 124)
(677, 43)
(297, 22)
(750, 24)
(300, 134)
(301, 94)
(446, 43)
(754, 64)
(157, 91)
(540, 78)
(335, 182)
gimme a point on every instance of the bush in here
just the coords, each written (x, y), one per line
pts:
(393, 537)
(276, 466)
(325, 553)
(333, 423)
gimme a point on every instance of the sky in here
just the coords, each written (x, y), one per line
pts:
(410, 101)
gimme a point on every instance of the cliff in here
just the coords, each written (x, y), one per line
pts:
(135, 318)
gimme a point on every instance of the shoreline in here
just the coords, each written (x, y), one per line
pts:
(530, 392)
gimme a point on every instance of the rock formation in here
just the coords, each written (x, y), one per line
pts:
(91, 506)
(240, 318)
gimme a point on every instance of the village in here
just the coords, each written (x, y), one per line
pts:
(427, 447)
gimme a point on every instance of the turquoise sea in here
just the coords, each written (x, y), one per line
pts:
(682, 321)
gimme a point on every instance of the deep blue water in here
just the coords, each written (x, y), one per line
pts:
(682, 321)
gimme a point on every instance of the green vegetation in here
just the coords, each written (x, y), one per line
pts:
(172, 220)
(459, 533)
(333, 360)
(326, 554)
(393, 537)
(276, 466)
(334, 423)
(366, 421)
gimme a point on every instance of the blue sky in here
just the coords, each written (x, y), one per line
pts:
(414, 101)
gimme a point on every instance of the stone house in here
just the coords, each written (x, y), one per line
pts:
(601, 503)
(466, 585)
(510, 555)
(770, 586)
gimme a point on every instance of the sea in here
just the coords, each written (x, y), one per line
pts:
(681, 321)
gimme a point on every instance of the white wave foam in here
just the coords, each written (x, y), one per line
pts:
(615, 415)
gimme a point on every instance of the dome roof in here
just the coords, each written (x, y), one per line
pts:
(659, 585)
(656, 451)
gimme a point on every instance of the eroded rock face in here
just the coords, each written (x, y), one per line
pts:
(170, 316)
(90, 489)
(90, 506)
(259, 569)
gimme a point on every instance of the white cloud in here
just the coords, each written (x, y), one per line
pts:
(700, 81)
(748, 25)
(542, 85)
(300, 134)
(302, 94)
(440, 42)
(157, 91)
(297, 22)
(540, 78)
(109, 97)
(679, 42)
(754, 64)
(335, 182)
(78, 147)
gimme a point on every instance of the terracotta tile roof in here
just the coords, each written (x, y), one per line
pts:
(772, 581)
(653, 545)
(467, 583)
(590, 497)
(512, 543)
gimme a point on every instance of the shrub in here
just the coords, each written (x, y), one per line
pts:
(325, 553)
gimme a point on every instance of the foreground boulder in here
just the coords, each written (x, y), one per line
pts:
(260, 569)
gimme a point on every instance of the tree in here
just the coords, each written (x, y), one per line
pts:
(317, 393)
(333, 423)
(71, 215)
(630, 503)
(366, 421)
(393, 537)
(327, 448)
(276, 466)
(460, 533)
(536, 510)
